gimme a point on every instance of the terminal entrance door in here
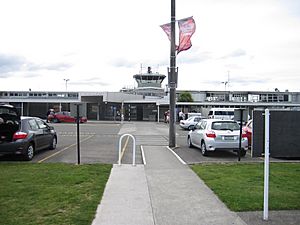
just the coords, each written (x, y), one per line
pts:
(92, 111)
(139, 112)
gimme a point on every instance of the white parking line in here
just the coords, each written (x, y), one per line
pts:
(177, 156)
(143, 155)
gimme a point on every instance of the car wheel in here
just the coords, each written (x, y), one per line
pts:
(203, 149)
(53, 143)
(189, 141)
(29, 153)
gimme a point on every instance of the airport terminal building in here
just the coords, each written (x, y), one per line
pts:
(147, 102)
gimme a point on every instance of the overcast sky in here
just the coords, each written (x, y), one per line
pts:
(100, 45)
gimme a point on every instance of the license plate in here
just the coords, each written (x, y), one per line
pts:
(228, 137)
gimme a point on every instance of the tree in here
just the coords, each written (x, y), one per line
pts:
(185, 97)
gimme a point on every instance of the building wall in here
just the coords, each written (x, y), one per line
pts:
(108, 105)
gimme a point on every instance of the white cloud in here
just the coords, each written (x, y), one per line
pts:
(105, 43)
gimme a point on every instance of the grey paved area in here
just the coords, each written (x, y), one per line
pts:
(285, 217)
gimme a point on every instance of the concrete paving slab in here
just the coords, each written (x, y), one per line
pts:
(126, 199)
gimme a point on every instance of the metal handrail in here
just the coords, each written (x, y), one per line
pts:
(133, 148)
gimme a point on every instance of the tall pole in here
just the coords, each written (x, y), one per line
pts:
(172, 79)
(66, 80)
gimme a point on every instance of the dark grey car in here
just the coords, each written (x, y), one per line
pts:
(24, 135)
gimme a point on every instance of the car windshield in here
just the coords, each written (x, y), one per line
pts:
(225, 125)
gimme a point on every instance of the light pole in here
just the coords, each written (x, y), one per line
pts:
(225, 83)
(172, 80)
(66, 80)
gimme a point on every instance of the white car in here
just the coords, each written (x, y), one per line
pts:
(190, 122)
(214, 134)
(221, 113)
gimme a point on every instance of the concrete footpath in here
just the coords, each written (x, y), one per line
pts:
(164, 191)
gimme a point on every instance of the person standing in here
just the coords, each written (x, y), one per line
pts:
(181, 116)
(50, 112)
(168, 116)
(165, 116)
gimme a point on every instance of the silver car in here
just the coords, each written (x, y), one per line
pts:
(190, 123)
(215, 134)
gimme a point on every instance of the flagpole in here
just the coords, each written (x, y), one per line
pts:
(172, 80)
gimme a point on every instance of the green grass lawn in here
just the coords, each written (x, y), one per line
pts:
(50, 193)
(241, 186)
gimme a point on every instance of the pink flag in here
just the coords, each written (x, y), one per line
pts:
(187, 28)
(167, 29)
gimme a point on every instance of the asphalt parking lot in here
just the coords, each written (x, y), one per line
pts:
(99, 142)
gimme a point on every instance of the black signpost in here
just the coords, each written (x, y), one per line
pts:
(240, 115)
(240, 141)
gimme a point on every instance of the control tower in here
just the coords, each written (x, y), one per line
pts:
(149, 84)
(149, 79)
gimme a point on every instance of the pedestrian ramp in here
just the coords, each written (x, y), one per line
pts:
(126, 198)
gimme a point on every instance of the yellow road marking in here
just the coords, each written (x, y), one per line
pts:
(66, 148)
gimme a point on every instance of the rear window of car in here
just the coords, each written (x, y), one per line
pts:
(8, 111)
(225, 125)
(224, 113)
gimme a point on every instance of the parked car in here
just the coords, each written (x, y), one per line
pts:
(216, 134)
(64, 117)
(190, 122)
(190, 114)
(248, 131)
(24, 135)
(221, 113)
